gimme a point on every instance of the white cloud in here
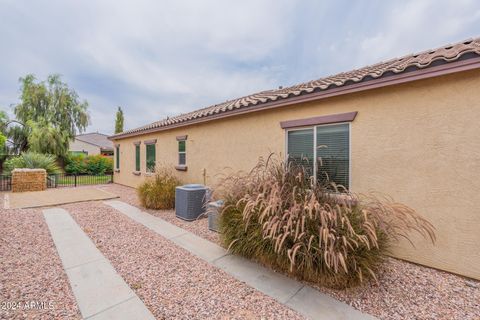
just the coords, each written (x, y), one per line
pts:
(418, 25)
(160, 58)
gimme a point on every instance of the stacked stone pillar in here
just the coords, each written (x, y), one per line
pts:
(29, 180)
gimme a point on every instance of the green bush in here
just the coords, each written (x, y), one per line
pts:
(93, 165)
(32, 160)
(75, 164)
(99, 165)
(276, 215)
(158, 192)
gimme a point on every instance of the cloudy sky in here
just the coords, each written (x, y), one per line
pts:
(160, 58)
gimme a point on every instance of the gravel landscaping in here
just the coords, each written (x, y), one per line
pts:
(198, 227)
(175, 284)
(32, 279)
(171, 282)
(404, 291)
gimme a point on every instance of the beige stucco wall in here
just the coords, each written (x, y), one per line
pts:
(417, 142)
(78, 145)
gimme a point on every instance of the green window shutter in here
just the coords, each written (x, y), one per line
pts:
(181, 146)
(117, 157)
(182, 156)
(300, 148)
(333, 154)
(150, 157)
(137, 157)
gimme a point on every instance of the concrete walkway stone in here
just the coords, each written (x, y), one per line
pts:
(304, 299)
(100, 291)
(276, 285)
(200, 247)
(160, 226)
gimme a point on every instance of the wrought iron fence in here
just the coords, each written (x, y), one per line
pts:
(5, 182)
(62, 180)
(74, 180)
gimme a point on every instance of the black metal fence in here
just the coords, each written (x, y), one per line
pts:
(62, 180)
(5, 182)
(75, 180)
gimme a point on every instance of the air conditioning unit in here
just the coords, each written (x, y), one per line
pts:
(213, 210)
(190, 201)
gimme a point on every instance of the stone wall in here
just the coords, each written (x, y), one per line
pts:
(29, 180)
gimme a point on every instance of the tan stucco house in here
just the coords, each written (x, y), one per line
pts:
(91, 144)
(407, 127)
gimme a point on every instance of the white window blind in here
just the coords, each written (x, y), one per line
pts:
(300, 148)
(332, 152)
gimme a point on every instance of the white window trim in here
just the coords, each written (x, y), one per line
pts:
(314, 127)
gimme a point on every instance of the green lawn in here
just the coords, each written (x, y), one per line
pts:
(83, 180)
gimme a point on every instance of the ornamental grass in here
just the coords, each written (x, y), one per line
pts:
(278, 215)
(158, 192)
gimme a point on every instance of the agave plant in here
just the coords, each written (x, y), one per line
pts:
(278, 215)
(32, 160)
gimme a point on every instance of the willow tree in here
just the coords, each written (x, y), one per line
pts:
(51, 111)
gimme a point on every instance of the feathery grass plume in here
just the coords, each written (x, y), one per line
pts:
(278, 215)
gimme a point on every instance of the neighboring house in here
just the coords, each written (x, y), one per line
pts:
(91, 144)
(408, 128)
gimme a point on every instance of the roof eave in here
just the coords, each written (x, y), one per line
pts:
(404, 77)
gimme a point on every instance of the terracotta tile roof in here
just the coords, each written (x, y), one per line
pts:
(446, 54)
(96, 139)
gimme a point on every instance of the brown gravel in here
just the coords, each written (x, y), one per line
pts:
(404, 291)
(198, 227)
(172, 283)
(31, 270)
(409, 291)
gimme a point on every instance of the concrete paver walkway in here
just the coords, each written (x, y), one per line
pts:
(100, 291)
(303, 299)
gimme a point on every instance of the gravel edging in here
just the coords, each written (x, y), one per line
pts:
(404, 290)
(30, 269)
(198, 227)
(169, 280)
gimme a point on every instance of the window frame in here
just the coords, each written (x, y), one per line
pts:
(147, 144)
(182, 152)
(139, 155)
(117, 157)
(314, 127)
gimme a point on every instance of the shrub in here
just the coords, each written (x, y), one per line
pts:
(32, 160)
(158, 192)
(98, 164)
(75, 164)
(276, 215)
(94, 164)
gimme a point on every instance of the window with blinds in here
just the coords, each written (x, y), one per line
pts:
(329, 145)
(300, 148)
(137, 157)
(333, 154)
(182, 155)
(150, 158)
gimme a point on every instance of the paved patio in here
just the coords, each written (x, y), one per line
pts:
(52, 197)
